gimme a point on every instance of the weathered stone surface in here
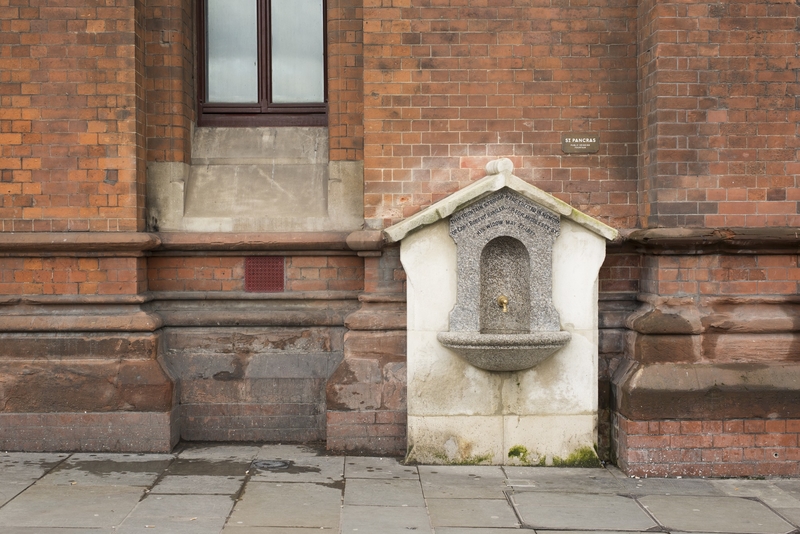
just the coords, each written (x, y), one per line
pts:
(87, 431)
(715, 315)
(239, 174)
(84, 385)
(751, 317)
(707, 391)
(355, 385)
(669, 320)
(216, 341)
(717, 348)
(385, 346)
(378, 316)
(664, 348)
(240, 191)
(716, 240)
(53, 346)
(243, 310)
(253, 384)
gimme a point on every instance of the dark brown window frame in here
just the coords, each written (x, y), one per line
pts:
(265, 112)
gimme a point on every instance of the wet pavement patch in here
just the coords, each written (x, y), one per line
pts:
(223, 468)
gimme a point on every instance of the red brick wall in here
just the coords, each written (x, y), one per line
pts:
(449, 86)
(71, 151)
(719, 113)
(169, 68)
(714, 275)
(739, 447)
(226, 273)
(72, 276)
(345, 80)
(320, 273)
(620, 273)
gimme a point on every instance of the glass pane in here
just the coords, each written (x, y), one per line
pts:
(297, 51)
(232, 51)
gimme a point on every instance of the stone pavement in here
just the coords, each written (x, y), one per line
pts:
(290, 489)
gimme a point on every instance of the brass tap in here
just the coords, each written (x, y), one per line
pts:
(502, 301)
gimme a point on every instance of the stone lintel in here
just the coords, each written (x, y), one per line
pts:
(707, 391)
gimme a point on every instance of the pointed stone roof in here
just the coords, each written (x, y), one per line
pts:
(499, 176)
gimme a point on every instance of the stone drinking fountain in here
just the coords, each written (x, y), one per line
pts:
(502, 324)
(504, 319)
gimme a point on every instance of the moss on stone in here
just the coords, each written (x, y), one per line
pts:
(583, 457)
(519, 452)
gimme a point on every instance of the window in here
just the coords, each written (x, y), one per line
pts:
(262, 63)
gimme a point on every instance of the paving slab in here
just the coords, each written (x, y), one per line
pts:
(792, 515)
(305, 469)
(462, 482)
(384, 519)
(670, 486)
(471, 513)
(580, 511)
(178, 514)
(57, 530)
(271, 504)
(459, 471)
(44, 505)
(232, 529)
(198, 485)
(88, 469)
(593, 532)
(714, 514)
(27, 466)
(9, 490)
(369, 467)
(466, 530)
(563, 480)
(772, 493)
(383, 492)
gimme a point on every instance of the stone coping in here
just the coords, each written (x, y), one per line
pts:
(150, 296)
(498, 177)
(53, 242)
(136, 243)
(213, 241)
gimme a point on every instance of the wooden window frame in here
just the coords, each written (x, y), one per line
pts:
(264, 112)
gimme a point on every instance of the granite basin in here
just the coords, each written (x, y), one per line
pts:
(504, 352)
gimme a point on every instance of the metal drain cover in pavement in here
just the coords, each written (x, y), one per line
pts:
(270, 464)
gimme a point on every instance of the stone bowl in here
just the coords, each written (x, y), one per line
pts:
(504, 352)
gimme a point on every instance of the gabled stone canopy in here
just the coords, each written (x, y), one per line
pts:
(499, 175)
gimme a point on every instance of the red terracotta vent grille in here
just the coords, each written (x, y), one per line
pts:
(263, 274)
